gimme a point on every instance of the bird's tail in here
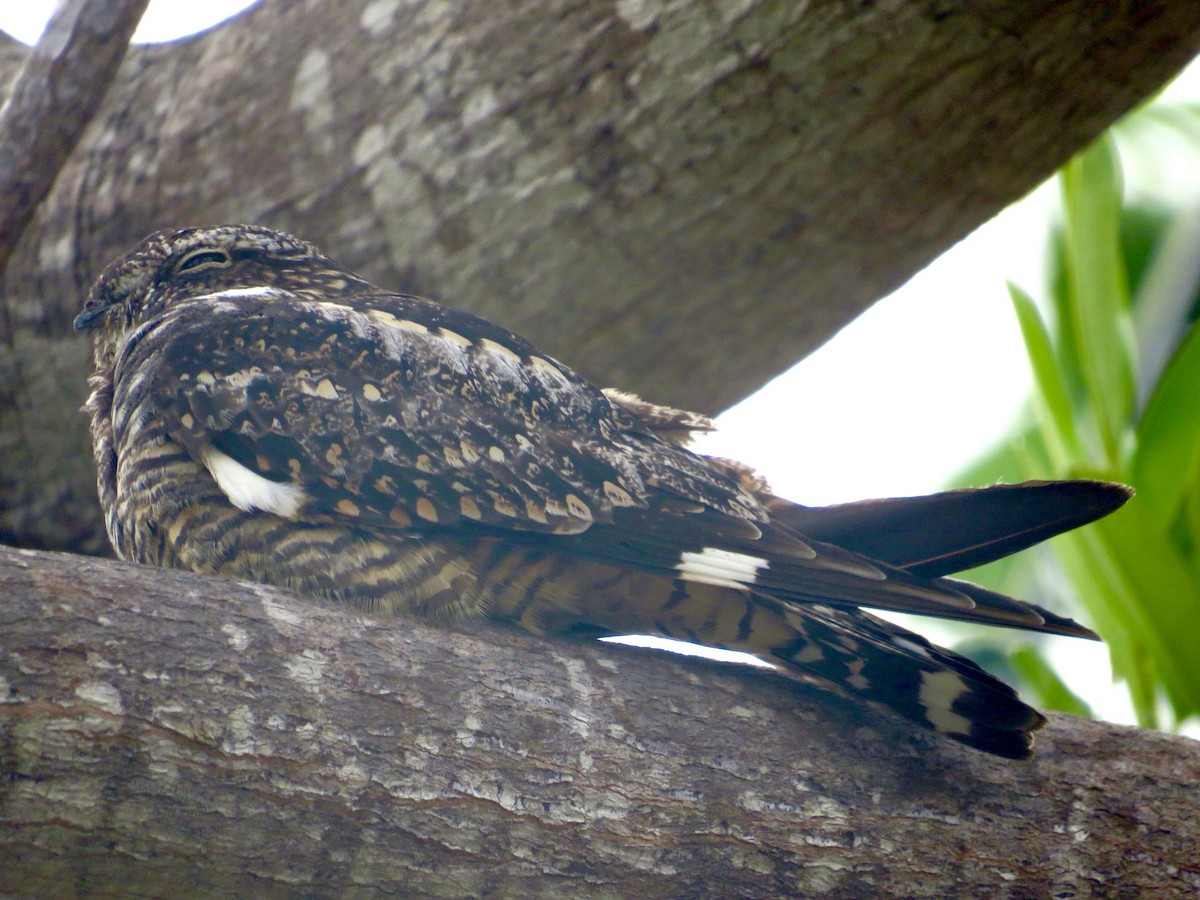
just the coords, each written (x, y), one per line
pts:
(845, 651)
(856, 655)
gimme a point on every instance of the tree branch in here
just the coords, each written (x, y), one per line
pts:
(54, 96)
(677, 199)
(163, 728)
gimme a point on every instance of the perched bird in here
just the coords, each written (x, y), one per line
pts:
(261, 413)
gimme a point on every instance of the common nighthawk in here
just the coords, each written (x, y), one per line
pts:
(261, 413)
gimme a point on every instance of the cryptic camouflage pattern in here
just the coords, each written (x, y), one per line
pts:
(260, 413)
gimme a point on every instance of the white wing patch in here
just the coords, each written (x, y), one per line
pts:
(721, 568)
(938, 691)
(235, 293)
(248, 490)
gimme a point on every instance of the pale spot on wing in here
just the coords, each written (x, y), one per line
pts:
(577, 507)
(248, 490)
(383, 316)
(722, 568)
(323, 389)
(235, 293)
(911, 646)
(811, 653)
(617, 495)
(386, 318)
(938, 691)
(241, 378)
(426, 510)
(856, 679)
(546, 367)
(499, 349)
(453, 337)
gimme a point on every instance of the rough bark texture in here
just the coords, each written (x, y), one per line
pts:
(679, 198)
(159, 729)
(53, 98)
(676, 197)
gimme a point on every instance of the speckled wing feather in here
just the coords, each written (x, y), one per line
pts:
(259, 412)
(384, 415)
(381, 414)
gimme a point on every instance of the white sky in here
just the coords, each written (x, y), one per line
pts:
(911, 390)
(897, 402)
(164, 20)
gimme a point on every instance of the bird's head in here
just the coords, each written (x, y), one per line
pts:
(219, 262)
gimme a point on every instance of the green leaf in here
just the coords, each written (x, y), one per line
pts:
(1051, 691)
(1144, 598)
(1052, 404)
(1099, 292)
(1137, 572)
(1166, 463)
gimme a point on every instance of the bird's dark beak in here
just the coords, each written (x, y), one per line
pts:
(91, 312)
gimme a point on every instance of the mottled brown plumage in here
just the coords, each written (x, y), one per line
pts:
(260, 413)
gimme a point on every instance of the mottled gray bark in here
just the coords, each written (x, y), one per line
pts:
(53, 98)
(162, 732)
(678, 198)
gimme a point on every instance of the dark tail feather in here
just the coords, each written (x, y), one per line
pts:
(955, 530)
(857, 655)
(992, 608)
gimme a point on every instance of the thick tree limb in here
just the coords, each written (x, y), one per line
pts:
(161, 729)
(55, 95)
(677, 198)
(56, 91)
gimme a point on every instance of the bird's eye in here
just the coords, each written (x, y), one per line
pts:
(206, 258)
